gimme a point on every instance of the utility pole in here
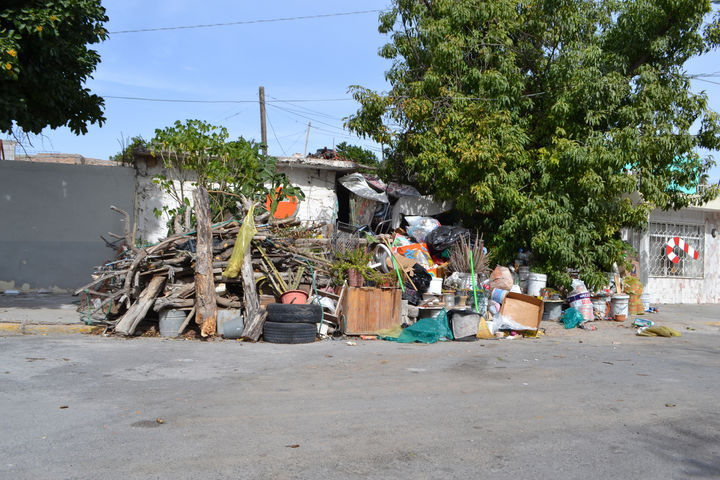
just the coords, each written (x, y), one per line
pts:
(263, 128)
(307, 137)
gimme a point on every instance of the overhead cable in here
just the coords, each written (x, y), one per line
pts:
(245, 22)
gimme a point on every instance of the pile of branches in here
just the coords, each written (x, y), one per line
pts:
(142, 282)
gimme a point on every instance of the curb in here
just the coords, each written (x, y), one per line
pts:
(7, 328)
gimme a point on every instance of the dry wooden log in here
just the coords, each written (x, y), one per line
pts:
(99, 280)
(206, 307)
(136, 313)
(253, 325)
(165, 303)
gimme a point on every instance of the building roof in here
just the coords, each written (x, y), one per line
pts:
(319, 164)
(66, 158)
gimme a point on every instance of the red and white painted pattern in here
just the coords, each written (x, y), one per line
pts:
(679, 242)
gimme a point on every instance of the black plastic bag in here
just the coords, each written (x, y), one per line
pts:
(445, 236)
(421, 278)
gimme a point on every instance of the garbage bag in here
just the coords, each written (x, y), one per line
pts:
(421, 278)
(426, 330)
(445, 236)
(412, 296)
(419, 227)
(242, 243)
(501, 278)
(572, 318)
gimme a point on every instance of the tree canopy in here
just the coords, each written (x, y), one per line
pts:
(45, 61)
(553, 123)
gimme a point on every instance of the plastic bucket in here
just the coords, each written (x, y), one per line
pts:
(552, 310)
(298, 297)
(582, 303)
(228, 319)
(620, 304)
(171, 321)
(645, 299)
(536, 282)
(600, 305)
(498, 295)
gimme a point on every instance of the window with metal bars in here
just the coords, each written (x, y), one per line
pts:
(660, 265)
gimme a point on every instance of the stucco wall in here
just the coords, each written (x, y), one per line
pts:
(51, 219)
(320, 204)
(684, 290)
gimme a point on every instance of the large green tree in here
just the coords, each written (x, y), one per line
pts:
(45, 61)
(554, 123)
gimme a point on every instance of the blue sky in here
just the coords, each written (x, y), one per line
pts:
(302, 59)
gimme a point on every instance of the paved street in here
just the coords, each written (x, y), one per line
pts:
(602, 404)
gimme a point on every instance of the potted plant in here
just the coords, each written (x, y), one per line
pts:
(355, 266)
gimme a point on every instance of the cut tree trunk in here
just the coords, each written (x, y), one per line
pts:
(206, 307)
(254, 315)
(136, 313)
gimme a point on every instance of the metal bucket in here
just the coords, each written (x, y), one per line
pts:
(171, 321)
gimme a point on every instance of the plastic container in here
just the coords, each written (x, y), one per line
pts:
(435, 286)
(449, 300)
(600, 305)
(536, 282)
(171, 321)
(620, 303)
(645, 299)
(229, 319)
(552, 310)
(298, 297)
(581, 302)
(523, 277)
(498, 295)
(233, 328)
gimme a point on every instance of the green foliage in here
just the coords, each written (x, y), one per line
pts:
(359, 259)
(44, 62)
(128, 148)
(356, 154)
(198, 153)
(553, 123)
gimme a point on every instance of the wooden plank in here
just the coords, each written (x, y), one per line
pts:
(127, 324)
(206, 306)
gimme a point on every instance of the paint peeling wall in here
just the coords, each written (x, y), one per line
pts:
(51, 219)
(684, 290)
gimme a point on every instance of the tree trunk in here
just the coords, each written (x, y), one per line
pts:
(127, 324)
(206, 313)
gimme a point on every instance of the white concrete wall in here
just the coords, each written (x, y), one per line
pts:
(684, 290)
(320, 204)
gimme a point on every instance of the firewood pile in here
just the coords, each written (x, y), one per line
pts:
(177, 273)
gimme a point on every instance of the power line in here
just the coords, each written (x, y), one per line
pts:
(275, 135)
(180, 100)
(245, 22)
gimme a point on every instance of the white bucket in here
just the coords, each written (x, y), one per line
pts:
(620, 303)
(645, 299)
(435, 286)
(536, 282)
(600, 305)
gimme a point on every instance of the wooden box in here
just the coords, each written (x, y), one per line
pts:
(366, 310)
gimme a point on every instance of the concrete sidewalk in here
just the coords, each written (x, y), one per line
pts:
(41, 313)
(56, 313)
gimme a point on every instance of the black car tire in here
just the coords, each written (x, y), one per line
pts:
(274, 332)
(291, 313)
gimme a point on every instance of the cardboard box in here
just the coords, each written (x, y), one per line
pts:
(523, 309)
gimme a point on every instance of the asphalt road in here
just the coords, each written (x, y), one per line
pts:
(589, 405)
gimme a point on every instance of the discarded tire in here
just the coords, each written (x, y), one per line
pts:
(275, 332)
(291, 313)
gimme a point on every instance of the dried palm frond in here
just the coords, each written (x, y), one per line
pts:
(460, 255)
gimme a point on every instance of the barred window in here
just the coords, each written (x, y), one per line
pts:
(661, 265)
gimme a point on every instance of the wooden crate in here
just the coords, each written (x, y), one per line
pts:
(366, 310)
